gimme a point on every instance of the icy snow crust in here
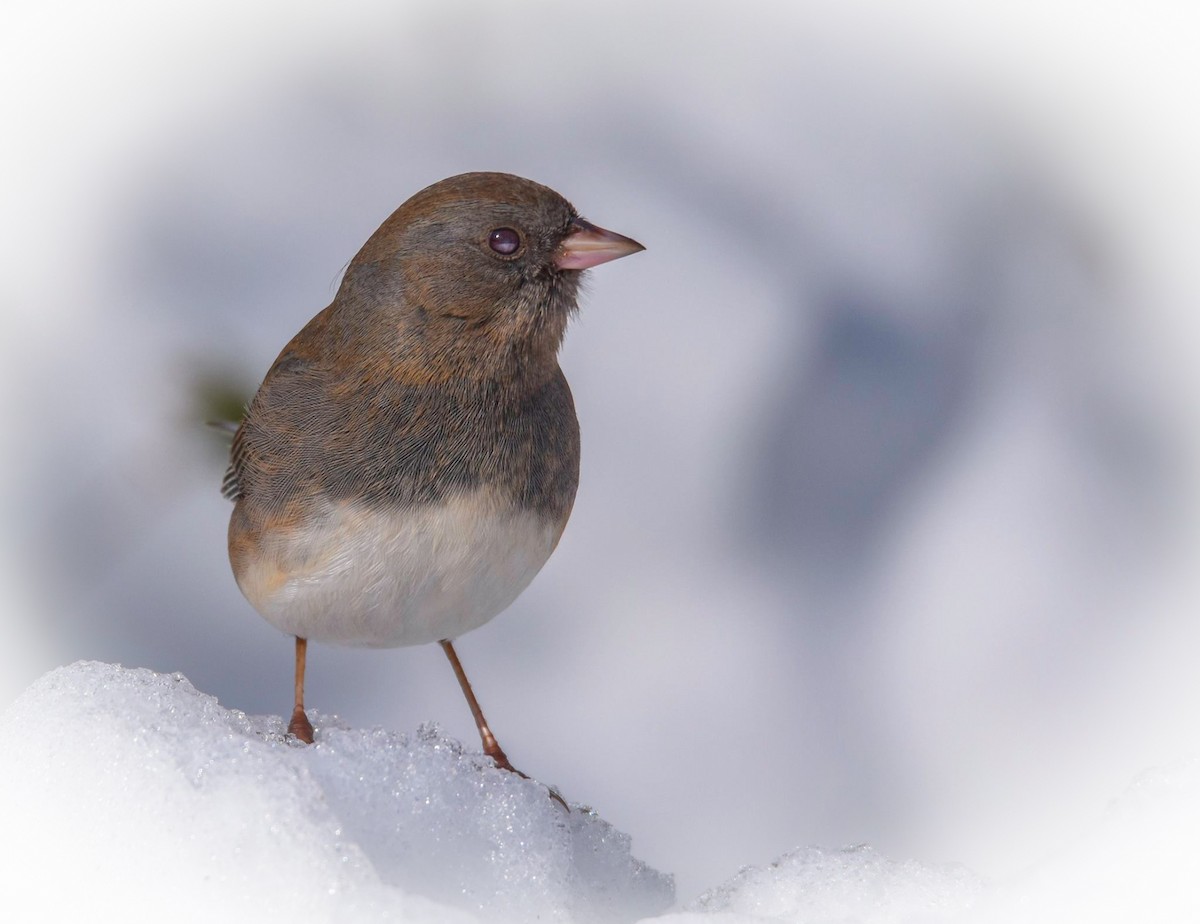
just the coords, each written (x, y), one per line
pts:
(136, 794)
(127, 795)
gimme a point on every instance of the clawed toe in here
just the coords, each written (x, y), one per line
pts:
(502, 761)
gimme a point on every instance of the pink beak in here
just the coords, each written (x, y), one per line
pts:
(586, 245)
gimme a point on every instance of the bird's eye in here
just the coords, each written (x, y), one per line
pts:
(505, 241)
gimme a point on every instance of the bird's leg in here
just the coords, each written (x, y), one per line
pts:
(300, 726)
(490, 746)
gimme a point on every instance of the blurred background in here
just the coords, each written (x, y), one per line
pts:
(888, 520)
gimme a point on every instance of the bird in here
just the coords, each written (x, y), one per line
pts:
(410, 459)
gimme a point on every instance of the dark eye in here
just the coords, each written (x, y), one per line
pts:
(504, 241)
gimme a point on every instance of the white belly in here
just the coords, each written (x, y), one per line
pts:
(385, 579)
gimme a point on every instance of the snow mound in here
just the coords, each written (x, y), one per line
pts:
(1140, 861)
(854, 884)
(130, 794)
(1137, 862)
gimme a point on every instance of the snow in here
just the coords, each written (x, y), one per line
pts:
(1137, 862)
(852, 884)
(129, 795)
(134, 791)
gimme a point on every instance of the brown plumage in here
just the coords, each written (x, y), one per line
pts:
(411, 458)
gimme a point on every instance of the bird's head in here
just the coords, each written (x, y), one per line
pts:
(483, 258)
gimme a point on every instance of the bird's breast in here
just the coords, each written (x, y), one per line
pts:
(379, 575)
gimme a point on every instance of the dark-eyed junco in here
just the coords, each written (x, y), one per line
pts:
(411, 457)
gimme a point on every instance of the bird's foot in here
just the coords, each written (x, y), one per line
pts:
(501, 760)
(300, 727)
